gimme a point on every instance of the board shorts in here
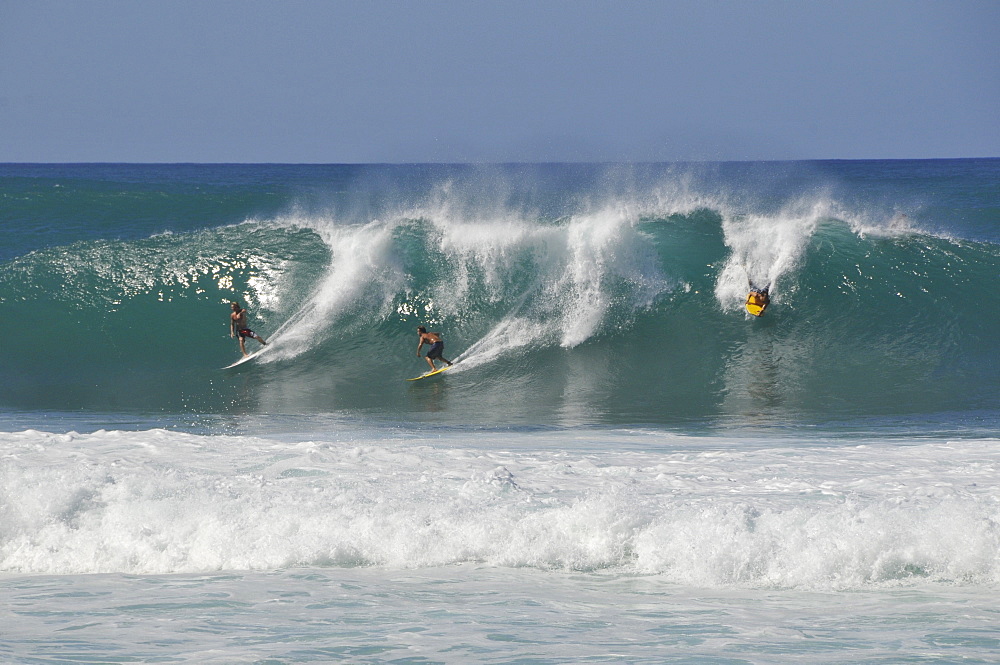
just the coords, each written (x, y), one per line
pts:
(246, 332)
(437, 348)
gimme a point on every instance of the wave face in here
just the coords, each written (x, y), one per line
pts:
(569, 294)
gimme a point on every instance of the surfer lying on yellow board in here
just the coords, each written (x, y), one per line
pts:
(758, 300)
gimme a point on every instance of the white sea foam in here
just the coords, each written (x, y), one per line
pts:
(484, 252)
(361, 269)
(804, 516)
(764, 248)
(574, 261)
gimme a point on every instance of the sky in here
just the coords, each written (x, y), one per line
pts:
(363, 81)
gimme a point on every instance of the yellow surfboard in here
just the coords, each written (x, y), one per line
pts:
(756, 303)
(424, 376)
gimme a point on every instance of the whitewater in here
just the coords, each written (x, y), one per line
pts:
(622, 466)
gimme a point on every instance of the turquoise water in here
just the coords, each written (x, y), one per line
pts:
(622, 466)
(594, 295)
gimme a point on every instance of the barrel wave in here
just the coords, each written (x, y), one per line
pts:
(611, 299)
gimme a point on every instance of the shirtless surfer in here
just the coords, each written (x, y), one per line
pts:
(238, 325)
(758, 298)
(437, 346)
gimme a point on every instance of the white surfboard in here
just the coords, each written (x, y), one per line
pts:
(243, 360)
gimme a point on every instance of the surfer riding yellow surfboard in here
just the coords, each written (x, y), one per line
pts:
(758, 300)
(436, 350)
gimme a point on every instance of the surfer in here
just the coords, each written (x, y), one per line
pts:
(437, 347)
(238, 324)
(758, 300)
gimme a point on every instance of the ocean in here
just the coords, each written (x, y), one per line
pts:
(622, 466)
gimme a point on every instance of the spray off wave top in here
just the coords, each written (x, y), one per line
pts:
(563, 303)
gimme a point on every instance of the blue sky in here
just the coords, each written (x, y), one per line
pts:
(477, 81)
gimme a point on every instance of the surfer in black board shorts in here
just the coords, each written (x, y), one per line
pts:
(238, 325)
(437, 347)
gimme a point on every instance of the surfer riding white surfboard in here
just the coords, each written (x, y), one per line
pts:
(238, 325)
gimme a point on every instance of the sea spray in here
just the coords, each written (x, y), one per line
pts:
(578, 284)
(622, 465)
